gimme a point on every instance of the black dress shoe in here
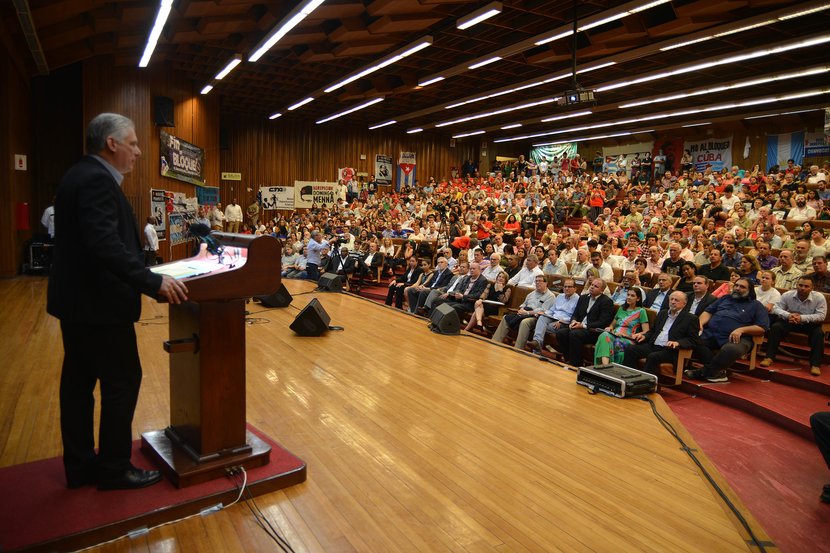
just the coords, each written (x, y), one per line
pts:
(130, 479)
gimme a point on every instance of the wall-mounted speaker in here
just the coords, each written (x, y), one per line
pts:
(444, 320)
(330, 282)
(280, 298)
(312, 320)
(163, 111)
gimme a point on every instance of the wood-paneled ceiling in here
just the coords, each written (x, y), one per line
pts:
(342, 36)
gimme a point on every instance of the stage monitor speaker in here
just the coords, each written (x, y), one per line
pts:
(444, 320)
(163, 111)
(330, 282)
(312, 320)
(280, 298)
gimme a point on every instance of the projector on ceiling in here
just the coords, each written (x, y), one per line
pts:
(578, 96)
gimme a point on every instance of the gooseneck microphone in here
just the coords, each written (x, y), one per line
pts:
(202, 232)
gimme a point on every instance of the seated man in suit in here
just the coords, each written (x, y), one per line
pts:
(536, 303)
(474, 288)
(699, 298)
(343, 264)
(658, 298)
(674, 328)
(594, 312)
(441, 294)
(801, 310)
(369, 263)
(440, 277)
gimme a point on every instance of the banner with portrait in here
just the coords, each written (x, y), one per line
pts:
(551, 152)
(181, 160)
(309, 193)
(406, 170)
(178, 234)
(383, 170)
(276, 197)
(716, 152)
(158, 209)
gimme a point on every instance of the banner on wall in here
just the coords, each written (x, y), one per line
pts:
(552, 152)
(383, 170)
(158, 208)
(177, 230)
(781, 147)
(406, 170)
(716, 152)
(672, 151)
(816, 144)
(611, 156)
(181, 160)
(276, 197)
(308, 193)
(207, 195)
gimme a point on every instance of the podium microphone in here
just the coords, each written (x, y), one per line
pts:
(202, 232)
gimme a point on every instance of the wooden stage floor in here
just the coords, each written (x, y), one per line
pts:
(414, 441)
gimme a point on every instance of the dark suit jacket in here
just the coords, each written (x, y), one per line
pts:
(476, 291)
(652, 295)
(410, 277)
(434, 281)
(684, 330)
(338, 265)
(600, 315)
(98, 272)
(704, 303)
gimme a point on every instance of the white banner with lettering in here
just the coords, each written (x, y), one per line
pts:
(716, 152)
(276, 197)
(308, 193)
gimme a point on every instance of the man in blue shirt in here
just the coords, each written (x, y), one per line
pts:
(315, 246)
(728, 326)
(558, 315)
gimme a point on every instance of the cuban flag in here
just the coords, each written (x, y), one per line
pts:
(781, 147)
(406, 170)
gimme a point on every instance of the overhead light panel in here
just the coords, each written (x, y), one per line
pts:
(433, 80)
(284, 27)
(413, 131)
(513, 126)
(567, 116)
(206, 89)
(554, 37)
(301, 103)
(497, 112)
(467, 134)
(274, 115)
(808, 11)
(476, 17)
(353, 109)
(394, 57)
(482, 63)
(696, 125)
(385, 124)
(228, 68)
(155, 32)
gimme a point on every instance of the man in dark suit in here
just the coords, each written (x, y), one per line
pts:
(673, 328)
(594, 312)
(699, 298)
(658, 298)
(440, 277)
(343, 264)
(95, 288)
(472, 289)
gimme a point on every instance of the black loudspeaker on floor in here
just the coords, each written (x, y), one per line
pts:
(280, 298)
(312, 320)
(444, 320)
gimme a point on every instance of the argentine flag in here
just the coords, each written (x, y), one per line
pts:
(781, 147)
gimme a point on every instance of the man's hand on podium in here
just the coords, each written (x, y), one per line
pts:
(173, 290)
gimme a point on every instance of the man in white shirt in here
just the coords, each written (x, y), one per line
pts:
(493, 269)
(151, 242)
(233, 216)
(554, 265)
(526, 277)
(217, 218)
(524, 320)
(801, 211)
(606, 273)
(801, 310)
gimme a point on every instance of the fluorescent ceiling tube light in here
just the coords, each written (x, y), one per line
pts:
(648, 6)
(686, 43)
(228, 68)
(467, 134)
(801, 111)
(484, 62)
(413, 131)
(567, 115)
(383, 62)
(379, 125)
(283, 27)
(352, 109)
(554, 37)
(486, 12)
(696, 125)
(513, 126)
(275, 115)
(155, 33)
(804, 12)
(497, 112)
(301, 103)
(207, 88)
(431, 81)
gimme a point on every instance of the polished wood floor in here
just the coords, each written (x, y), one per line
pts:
(414, 441)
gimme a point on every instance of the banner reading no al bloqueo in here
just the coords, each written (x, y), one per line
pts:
(181, 160)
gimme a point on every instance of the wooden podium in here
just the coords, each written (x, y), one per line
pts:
(207, 433)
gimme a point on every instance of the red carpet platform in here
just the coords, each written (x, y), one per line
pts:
(40, 514)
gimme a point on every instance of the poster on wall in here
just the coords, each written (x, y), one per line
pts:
(347, 175)
(781, 147)
(716, 152)
(406, 170)
(158, 208)
(177, 230)
(816, 144)
(308, 193)
(207, 195)
(383, 170)
(552, 153)
(611, 156)
(181, 160)
(276, 197)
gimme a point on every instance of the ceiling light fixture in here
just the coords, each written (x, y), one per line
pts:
(161, 18)
(476, 17)
(567, 116)
(207, 88)
(431, 81)
(696, 125)
(497, 112)
(387, 123)
(513, 126)
(473, 133)
(283, 27)
(353, 109)
(396, 56)
(413, 131)
(275, 115)
(482, 63)
(598, 137)
(301, 103)
(557, 36)
(229, 67)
